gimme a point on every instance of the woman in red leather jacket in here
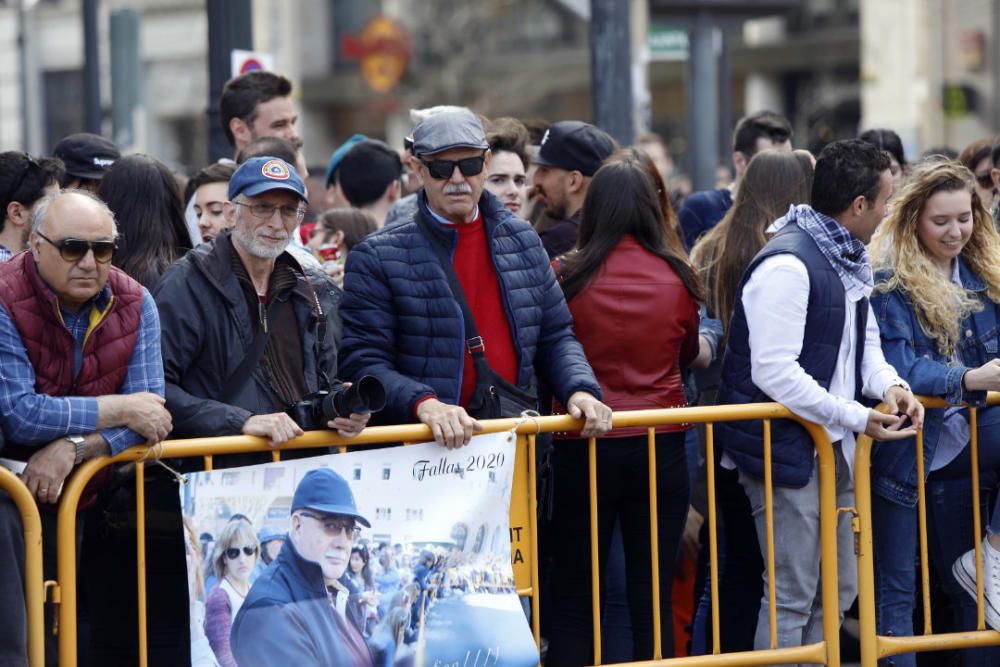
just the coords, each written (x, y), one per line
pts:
(634, 300)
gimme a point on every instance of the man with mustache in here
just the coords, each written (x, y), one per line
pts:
(248, 330)
(404, 324)
(303, 610)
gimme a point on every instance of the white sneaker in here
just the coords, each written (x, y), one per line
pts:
(964, 570)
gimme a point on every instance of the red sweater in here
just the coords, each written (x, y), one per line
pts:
(478, 276)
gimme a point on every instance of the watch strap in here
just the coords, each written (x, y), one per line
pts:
(78, 445)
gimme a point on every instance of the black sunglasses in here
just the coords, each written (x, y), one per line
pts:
(234, 553)
(443, 169)
(985, 180)
(73, 250)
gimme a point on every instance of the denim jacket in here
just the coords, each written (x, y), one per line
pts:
(915, 357)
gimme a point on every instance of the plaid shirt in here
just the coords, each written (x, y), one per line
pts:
(5, 254)
(33, 419)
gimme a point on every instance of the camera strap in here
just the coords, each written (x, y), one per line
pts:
(246, 368)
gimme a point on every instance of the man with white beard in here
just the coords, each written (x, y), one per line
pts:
(247, 330)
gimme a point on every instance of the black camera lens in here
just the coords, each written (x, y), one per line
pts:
(365, 395)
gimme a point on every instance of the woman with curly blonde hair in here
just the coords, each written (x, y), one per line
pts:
(937, 263)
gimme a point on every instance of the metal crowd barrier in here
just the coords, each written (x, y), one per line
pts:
(34, 588)
(523, 503)
(873, 645)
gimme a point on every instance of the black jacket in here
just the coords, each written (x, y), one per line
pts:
(207, 332)
(287, 619)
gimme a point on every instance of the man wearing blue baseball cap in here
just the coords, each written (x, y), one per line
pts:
(248, 331)
(303, 610)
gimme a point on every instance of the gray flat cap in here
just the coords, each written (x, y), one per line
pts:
(447, 130)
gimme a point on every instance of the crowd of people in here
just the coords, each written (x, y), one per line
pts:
(487, 267)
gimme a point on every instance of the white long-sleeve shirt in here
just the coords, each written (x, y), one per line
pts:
(775, 300)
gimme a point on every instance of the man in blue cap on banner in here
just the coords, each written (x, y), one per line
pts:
(303, 609)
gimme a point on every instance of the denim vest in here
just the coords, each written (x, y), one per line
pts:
(915, 357)
(792, 450)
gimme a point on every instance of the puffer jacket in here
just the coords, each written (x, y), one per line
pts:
(207, 333)
(402, 324)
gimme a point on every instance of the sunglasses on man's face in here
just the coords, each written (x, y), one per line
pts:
(443, 169)
(234, 553)
(984, 180)
(73, 250)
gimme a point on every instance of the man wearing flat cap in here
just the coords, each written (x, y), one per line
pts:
(571, 152)
(403, 317)
(303, 610)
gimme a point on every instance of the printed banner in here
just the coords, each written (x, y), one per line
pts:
(397, 556)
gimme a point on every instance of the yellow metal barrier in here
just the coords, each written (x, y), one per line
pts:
(34, 588)
(873, 645)
(826, 652)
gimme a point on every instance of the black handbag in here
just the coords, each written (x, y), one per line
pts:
(493, 397)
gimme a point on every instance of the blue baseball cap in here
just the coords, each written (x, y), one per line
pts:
(263, 174)
(325, 491)
(339, 154)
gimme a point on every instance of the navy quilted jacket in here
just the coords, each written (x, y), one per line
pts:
(402, 325)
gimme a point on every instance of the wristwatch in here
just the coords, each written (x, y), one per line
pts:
(78, 443)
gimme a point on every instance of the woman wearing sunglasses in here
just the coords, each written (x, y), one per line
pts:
(235, 558)
(937, 300)
(977, 157)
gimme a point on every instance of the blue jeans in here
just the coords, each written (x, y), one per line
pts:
(949, 535)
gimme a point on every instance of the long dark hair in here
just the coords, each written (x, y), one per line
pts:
(622, 199)
(146, 200)
(366, 572)
(773, 181)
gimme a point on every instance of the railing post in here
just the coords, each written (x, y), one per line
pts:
(34, 588)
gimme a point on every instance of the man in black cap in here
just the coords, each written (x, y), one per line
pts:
(404, 324)
(87, 158)
(571, 152)
(303, 610)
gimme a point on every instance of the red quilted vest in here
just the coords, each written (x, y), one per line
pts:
(34, 310)
(107, 349)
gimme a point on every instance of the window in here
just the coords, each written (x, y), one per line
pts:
(386, 472)
(383, 513)
(357, 472)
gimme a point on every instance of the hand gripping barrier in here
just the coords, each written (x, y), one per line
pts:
(34, 588)
(874, 646)
(826, 652)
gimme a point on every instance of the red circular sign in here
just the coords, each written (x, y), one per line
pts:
(251, 65)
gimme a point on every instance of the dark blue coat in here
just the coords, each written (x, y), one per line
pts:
(792, 450)
(287, 619)
(402, 325)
